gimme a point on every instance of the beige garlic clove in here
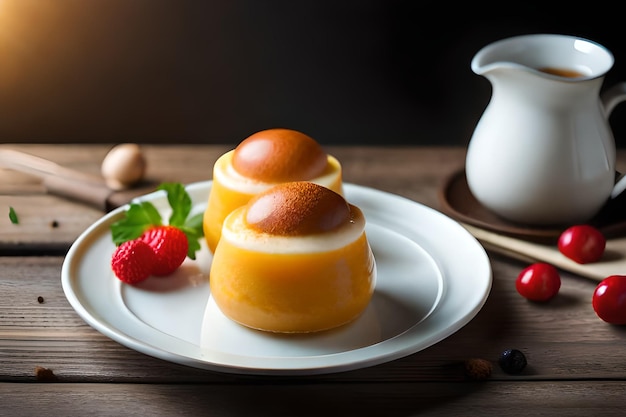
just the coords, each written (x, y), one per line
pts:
(124, 166)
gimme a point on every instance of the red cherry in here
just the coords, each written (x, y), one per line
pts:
(538, 282)
(582, 243)
(609, 299)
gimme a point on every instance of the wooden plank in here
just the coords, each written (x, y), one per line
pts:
(409, 171)
(562, 339)
(268, 398)
(573, 356)
(49, 224)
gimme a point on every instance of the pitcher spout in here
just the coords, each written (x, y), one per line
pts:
(483, 66)
(552, 56)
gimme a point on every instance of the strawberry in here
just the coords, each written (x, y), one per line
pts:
(169, 244)
(132, 261)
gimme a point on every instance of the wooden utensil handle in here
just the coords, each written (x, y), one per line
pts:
(95, 195)
(34, 165)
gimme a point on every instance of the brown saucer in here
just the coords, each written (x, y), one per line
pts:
(458, 202)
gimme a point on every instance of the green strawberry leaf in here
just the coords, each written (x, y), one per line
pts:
(138, 218)
(193, 237)
(194, 231)
(180, 202)
(195, 223)
(141, 216)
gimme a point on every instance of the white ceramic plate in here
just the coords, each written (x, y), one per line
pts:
(433, 277)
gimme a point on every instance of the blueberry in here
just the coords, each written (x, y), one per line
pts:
(512, 361)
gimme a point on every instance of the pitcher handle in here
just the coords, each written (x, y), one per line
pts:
(613, 96)
(610, 99)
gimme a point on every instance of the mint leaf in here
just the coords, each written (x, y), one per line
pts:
(13, 216)
(194, 243)
(194, 231)
(180, 202)
(195, 223)
(139, 217)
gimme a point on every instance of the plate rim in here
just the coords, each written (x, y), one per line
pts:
(394, 347)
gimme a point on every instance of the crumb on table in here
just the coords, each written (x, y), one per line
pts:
(44, 374)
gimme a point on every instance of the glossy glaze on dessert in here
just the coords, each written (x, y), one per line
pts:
(259, 162)
(279, 155)
(294, 259)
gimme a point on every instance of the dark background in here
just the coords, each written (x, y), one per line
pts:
(345, 72)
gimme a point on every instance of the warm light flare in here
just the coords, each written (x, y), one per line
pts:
(7, 39)
(70, 66)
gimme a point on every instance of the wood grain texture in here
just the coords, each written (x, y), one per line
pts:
(411, 172)
(575, 361)
(563, 339)
(558, 399)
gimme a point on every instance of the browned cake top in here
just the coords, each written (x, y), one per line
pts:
(279, 155)
(297, 209)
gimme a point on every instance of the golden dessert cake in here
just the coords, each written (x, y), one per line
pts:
(262, 160)
(295, 259)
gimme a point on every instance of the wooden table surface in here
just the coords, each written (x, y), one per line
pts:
(53, 363)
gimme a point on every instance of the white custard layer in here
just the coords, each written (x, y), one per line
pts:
(237, 232)
(228, 177)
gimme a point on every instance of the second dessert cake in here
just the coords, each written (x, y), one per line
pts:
(262, 160)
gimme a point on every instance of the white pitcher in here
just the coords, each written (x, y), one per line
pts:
(543, 152)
